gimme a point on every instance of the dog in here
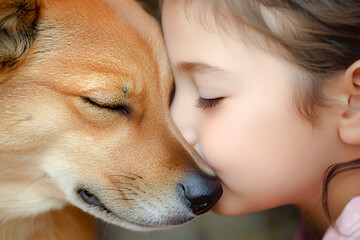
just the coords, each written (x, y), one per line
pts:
(85, 128)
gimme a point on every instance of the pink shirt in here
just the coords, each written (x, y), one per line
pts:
(348, 223)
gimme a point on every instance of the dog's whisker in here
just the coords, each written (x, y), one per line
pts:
(132, 174)
(130, 186)
(132, 194)
(124, 194)
(125, 199)
(27, 186)
(129, 189)
(124, 176)
(117, 189)
(104, 233)
(123, 183)
(135, 188)
(135, 175)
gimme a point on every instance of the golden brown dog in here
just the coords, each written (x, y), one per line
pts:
(84, 121)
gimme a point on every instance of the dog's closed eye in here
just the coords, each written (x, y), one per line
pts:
(125, 110)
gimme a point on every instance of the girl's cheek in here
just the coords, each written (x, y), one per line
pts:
(212, 144)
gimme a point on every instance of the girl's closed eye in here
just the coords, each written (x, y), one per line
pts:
(208, 103)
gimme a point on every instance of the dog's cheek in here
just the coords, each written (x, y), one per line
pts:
(33, 120)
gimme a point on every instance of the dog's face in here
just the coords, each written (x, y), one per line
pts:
(84, 110)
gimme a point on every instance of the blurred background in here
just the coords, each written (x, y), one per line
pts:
(274, 224)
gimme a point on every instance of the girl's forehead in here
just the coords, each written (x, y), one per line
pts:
(202, 15)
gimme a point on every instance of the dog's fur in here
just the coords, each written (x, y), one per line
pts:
(84, 97)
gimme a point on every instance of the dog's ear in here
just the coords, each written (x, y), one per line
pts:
(17, 29)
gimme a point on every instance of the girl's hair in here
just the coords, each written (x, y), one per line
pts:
(321, 38)
(332, 172)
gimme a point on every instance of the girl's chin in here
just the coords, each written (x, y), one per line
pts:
(230, 205)
(225, 209)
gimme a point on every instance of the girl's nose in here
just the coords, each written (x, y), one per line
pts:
(184, 113)
(185, 121)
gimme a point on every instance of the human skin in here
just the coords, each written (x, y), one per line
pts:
(248, 128)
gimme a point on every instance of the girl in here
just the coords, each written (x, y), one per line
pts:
(268, 92)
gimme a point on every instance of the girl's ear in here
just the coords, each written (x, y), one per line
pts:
(349, 128)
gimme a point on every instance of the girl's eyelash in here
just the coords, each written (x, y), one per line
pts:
(208, 103)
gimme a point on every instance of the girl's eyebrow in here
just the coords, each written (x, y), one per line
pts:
(196, 67)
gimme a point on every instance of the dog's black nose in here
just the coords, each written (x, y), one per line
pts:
(200, 191)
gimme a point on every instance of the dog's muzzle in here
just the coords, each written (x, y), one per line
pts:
(197, 191)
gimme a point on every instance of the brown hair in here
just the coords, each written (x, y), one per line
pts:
(320, 37)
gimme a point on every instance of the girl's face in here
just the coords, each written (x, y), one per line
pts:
(234, 104)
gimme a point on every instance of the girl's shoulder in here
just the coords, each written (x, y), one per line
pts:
(348, 223)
